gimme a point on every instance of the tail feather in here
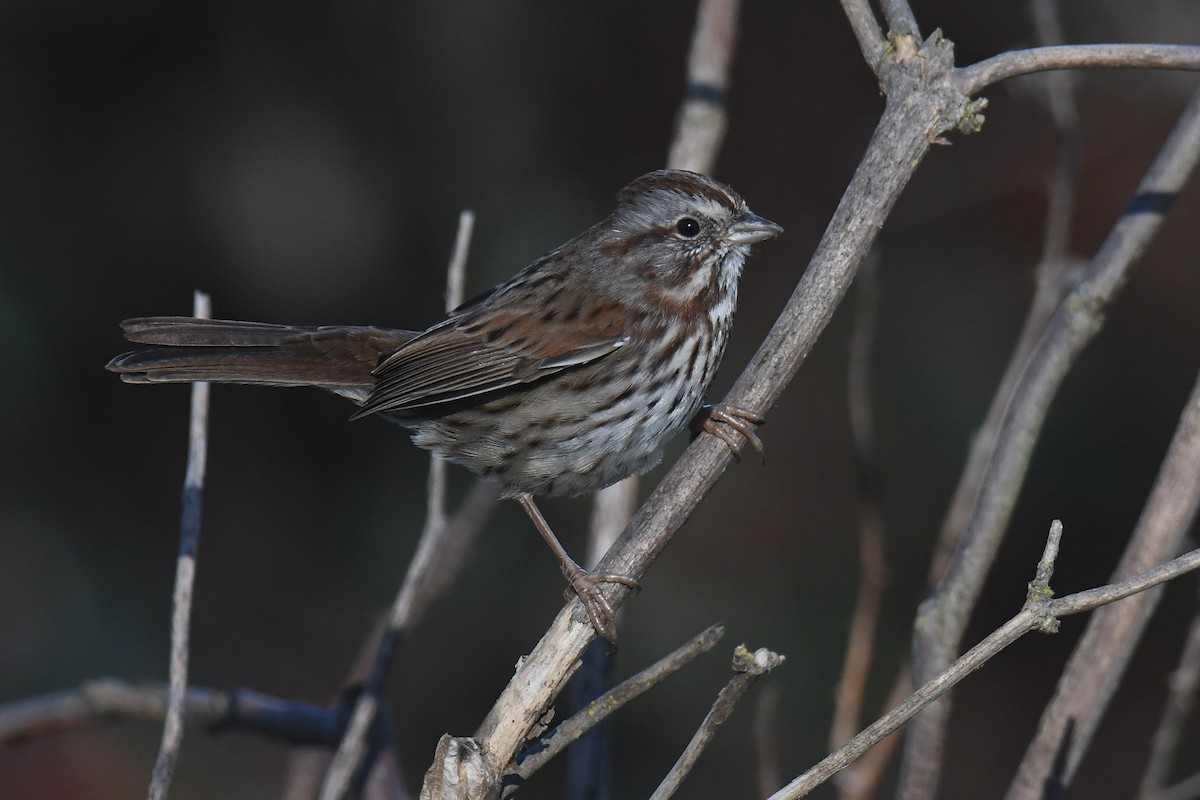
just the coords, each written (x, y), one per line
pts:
(340, 359)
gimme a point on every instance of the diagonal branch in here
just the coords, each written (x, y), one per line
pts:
(1184, 688)
(943, 616)
(1040, 613)
(911, 120)
(443, 543)
(1099, 660)
(866, 31)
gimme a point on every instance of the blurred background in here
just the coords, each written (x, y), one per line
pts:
(306, 163)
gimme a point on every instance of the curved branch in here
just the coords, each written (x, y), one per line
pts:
(974, 78)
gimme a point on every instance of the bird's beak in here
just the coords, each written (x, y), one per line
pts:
(751, 228)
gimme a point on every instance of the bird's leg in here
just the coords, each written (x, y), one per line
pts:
(708, 417)
(585, 584)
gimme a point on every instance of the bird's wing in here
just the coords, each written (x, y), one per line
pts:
(493, 346)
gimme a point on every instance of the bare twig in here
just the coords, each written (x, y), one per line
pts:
(599, 709)
(766, 745)
(308, 766)
(185, 577)
(871, 559)
(748, 668)
(866, 31)
(1186, 789)
(1100, 658)
(974, 78)
(700, 126)
(943, 616)
(102, 701)
(1055, 273)
(439, 555)
(1185, 684)
(107, 700)
(1040, 613)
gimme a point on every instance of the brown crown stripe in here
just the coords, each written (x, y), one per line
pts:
(684, 183)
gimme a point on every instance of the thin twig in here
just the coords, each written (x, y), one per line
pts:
(978, 76)
(557, 740)
(308, 766)
(943, 617)
(700, 126)
(766, 741)
(866, 30)
(1184, 686)
(106, 701)
(185, 576)
(1099, 660)
(439, 554)
(1055, 273)
(748, 668)
(1040, 613)
(1186, 789)
(872, 567)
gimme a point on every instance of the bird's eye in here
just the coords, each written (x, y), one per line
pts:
(688, 228)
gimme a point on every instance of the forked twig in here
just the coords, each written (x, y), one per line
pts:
(557, 740)
(1040, 613)
(747, 668)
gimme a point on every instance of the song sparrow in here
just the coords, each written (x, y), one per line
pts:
(567, 378)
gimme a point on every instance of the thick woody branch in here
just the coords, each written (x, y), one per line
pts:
(911, 120)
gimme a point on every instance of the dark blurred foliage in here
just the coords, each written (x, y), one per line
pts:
(307, 162)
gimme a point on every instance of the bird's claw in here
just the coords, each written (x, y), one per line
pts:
(711, 417)
(586, 586)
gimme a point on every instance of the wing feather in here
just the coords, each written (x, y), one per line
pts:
(494, 346)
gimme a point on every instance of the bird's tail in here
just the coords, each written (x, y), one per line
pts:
(185, 349)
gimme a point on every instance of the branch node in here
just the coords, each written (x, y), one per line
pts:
(1039, 593)
(758, 663)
